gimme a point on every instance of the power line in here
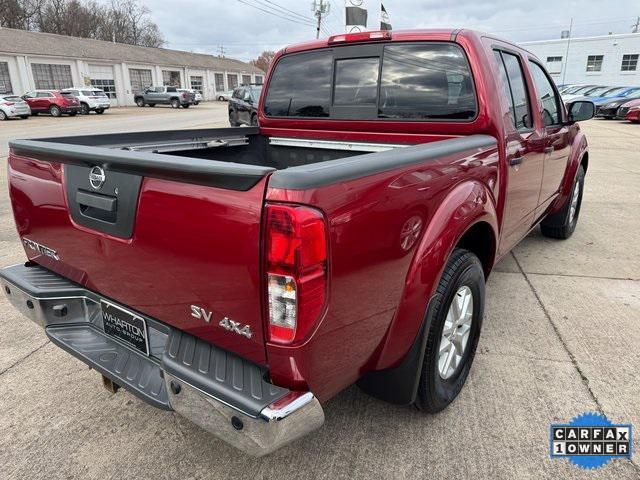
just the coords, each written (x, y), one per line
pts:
(286, 9)
(320, 8)
(299, 21)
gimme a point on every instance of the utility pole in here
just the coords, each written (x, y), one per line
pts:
(566, 53)
(319, 9)
(636, 26)
(221, 50)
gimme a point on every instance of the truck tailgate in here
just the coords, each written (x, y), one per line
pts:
(146, 238)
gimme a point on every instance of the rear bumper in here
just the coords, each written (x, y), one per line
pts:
(219, 391)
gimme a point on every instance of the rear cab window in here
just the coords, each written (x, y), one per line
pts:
(415, 81)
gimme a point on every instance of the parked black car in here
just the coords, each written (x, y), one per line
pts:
(610, 109)
(243, 105)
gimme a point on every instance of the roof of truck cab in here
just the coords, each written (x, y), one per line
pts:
(438, 34)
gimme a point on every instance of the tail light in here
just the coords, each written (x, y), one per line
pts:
(296, 269)
(8, 104)
(184, 95)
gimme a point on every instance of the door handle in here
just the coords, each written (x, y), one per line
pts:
(549, 149)
(515, 161)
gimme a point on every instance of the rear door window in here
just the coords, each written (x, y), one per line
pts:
(521, 107)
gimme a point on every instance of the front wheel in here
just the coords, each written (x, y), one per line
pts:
(453, 332)
(100, 111)
(186, 105)
(3, 116)
(232, 119)
(84, 109)
(175, 103)
(55, 111)
(140, 102)
(254, 120)
(24, 117)
(563, 223)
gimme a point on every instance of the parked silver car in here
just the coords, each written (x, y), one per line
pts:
(12, 106)
(166, 95)
(224, 96)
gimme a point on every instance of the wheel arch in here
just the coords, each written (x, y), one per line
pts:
(466, 218)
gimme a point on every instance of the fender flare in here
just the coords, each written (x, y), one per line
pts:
(578, 149)
(396, 374)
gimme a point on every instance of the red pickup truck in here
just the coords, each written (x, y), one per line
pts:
(243, 276)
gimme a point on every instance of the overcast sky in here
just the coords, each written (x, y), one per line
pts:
(245, 31)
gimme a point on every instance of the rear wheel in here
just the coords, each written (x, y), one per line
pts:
(563, 223)
(152, 104)
(55, 111)
(140, 102)
(254, 120)
(24, 117)
(221, 98)
(84, 109)
(100, 111)
(186, 105)
(3, 116)
(196, 103)
(73, 114)
(175, 103)
(453, 333)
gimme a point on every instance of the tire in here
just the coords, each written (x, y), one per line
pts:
(196, 103)
(563, 223)
(462, 277)
(140, 102)
(55, 111)
(73, 114)
(186, 105)
(254, 120)
(175, 103)
(34, 114)
(99, 111)
(152, 104)
(84, 109)
(232, 119)
(3, 116)
(221, 99)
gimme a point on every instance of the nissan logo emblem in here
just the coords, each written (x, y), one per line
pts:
(97, 177)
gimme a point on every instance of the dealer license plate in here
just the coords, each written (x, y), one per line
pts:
(125, 326)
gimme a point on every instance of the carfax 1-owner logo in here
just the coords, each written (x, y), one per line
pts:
(590, 440)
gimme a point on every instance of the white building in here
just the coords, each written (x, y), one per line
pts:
(33, 60)
(606, 60)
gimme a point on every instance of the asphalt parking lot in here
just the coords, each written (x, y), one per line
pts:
(561, 336)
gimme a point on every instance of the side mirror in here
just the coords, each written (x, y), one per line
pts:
(580, 110)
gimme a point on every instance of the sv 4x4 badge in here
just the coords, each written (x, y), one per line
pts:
(226, 322)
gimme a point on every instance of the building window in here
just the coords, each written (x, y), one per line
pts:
(259, 79)
(196, 83)
(594, 63)
(140, 79)
(5, 80)
(108, 86)
(554, 64)
(629, 63)
(246, 79)
(51, 77)
(232, 80)
(171, 78)
(219, 77)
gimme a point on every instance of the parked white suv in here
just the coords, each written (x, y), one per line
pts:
(91, 99)
(12, 106)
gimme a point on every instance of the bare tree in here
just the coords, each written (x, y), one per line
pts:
(263, 60)
(123, 21)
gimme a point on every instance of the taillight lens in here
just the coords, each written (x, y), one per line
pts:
(296, 267)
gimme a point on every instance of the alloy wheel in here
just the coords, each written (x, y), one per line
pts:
(455, 333)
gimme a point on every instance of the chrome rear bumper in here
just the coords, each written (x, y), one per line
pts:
(225, 394)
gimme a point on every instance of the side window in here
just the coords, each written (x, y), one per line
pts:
(521, 107)
(356, 81)
(172, 89)
(504, 84)
(546, 95)
(30, 95)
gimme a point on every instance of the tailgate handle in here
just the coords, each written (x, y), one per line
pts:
(97, 201)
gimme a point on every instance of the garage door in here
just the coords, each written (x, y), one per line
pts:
(102, 77)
